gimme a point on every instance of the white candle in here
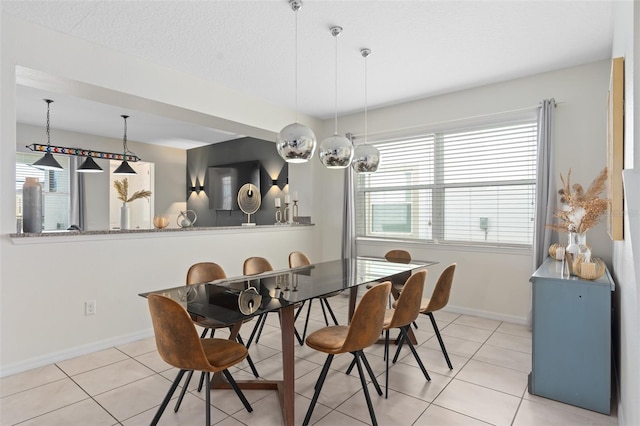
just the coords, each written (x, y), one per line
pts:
(287, 199)
(277, 202)
(559, 253)
(295, 196)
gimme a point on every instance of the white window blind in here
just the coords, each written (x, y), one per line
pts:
(472, 185)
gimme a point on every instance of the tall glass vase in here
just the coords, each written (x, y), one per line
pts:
(578, 246)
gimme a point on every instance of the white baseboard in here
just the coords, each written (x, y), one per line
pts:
(28, 364)
(486, 314)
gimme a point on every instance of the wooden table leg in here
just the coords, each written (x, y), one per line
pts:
(288, 363)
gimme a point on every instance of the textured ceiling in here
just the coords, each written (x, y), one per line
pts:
(420, 48)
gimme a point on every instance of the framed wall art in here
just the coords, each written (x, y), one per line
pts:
(615, 150)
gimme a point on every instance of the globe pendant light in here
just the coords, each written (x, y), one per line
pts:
(336, 152)
(125, 168)
(366, 158)
(296, 142)
(48, 162)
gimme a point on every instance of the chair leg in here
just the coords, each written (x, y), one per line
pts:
(167, 398)
(238, 391)
(318, 388)
(324, 312)
(365, 361)
(208, 399)
(353, 364)
(184, 390)
(201, 382)
(399, 342)
(365, 390)
(261, 317)
(444, 350)
(333, 316)
(386, 357)
(403, 330)
(264, 321)
(249, 360)
(306, 321)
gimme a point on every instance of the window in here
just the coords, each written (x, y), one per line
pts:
(471, 185)
(55, 191)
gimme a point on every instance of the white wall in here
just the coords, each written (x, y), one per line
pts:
(626, 258)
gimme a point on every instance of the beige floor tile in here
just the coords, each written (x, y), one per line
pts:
(515, 329)
(267, 411)
(337, 387)
(562, 406)
(399, 409)
(191, 412)
(433, 360)
(271, 368)
(533, 413)
(410, 381)
(30, 379)
(91, 361)
(504, 357)
(86, 412)
(138, 347)
(466, 332)
(494, 377)
(477, 322)
(43, 399)
(443, 317)
(154, 361)
(112, 376)
(456, 346)
(435, 415)
(337, 418)
(508, 341)
(479, 402)
(136, 397)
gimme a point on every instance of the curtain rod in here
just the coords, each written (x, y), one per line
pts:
(425, 126)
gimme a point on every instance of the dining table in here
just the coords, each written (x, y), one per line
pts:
(232, 301)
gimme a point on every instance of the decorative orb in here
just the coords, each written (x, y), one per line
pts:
(296, 143)
(366, 159)
(336, 152)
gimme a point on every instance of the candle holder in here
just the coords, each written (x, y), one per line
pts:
(287, 213)
(294, 212)
(278, 216)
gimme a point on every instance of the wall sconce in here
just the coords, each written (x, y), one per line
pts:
(197, 188)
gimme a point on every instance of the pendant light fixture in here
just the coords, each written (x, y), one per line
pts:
(366, 158)
(336, 152)
(48, 162)
(125, 168)
(296, 142)
(89, 166)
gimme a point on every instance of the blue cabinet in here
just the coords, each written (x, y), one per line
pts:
(571, 338)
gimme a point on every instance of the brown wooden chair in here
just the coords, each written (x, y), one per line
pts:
(405, 312)
(364, 330)
(198, 273)
(254, 266)
(179, 346)
(438, 300)
(296, 260)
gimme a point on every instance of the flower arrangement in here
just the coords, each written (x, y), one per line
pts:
(122, 188)
(582, 210)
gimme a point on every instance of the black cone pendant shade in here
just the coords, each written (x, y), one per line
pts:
(89, 166)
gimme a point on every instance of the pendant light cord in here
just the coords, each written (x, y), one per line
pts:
(296, 66)
(366, 124)
(336, 78)
(48, 122)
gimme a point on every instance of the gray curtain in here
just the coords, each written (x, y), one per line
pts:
(349, 219)
(77, 201)
(545, 183)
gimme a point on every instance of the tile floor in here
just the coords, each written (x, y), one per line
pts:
(124, 385)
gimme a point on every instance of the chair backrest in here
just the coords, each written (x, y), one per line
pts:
(297, 259)
(256, 265)
(367, 320)
(407, 307)
(440, 295)
(398, 256)
(176, 337)
(204, 272)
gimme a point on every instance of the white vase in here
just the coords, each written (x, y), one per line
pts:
(124, 216)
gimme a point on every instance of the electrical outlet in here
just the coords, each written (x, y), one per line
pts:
(90, 307)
